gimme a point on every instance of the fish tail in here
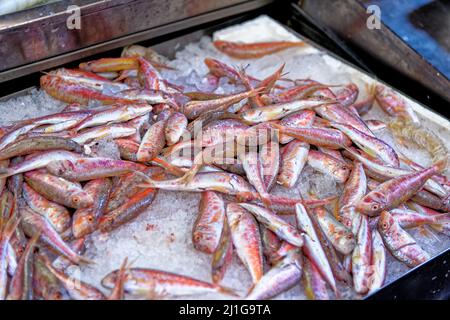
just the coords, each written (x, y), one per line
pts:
(440, 221)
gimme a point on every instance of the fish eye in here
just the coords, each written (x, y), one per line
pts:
(384, 225)
(375, 206)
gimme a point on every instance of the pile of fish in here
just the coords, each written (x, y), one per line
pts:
(58, 189)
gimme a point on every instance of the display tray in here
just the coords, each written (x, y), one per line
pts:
(160, 237)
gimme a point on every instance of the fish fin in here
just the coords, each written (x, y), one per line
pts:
(440, 221)
(188, 176)
(169, 167)
(228, 291)
(441, 164)
(84, 260)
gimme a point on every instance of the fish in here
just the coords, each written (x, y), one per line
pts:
(383, 173)
(252, 167)
(34, 223)
(193, 109)
(77, 289)
(362, 257)
(175, 128)
(280, 110)
(61, 262)
(284, 205)
(277, 225)
(7, 232)
(208, 226)
(246, 239)
(15, 182)
(394, 105)
(364, 106)
(149, 76)
(127, 211)
(240, 50)
(340, 114)
(56, 214)
(34, 144)
(271, 244)
(127, 148)
(329, 165)
(218, 69)
(45, 285)
(373, 146)
(15, 134)
(112, 131)
(20, 287)
(141, 124)
(376, 125)
(339, 235)
(223, 182)
(152, 143)
(303, 118)
(269, 159)
(354, 189)
(151, 284)
(396, 191)
(411, 219)
(314, 285)
(219, 131)
(281, 277)
(118, 292)
(348, 94)
(71, 91)
(110, 64)
(379, 262)
(300, 91)
(117, 114)
(84, 169)
(58, 190)
(400, 243)
(322, 137)
(223, 255)
(38, 160)
(312, 248)
(85, 220)
(129, 184)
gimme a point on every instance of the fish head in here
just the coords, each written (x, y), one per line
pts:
(83, 224)
(342, 170)
(372, 204)
(385, 221)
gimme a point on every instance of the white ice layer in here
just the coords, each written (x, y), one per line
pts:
(161, 236)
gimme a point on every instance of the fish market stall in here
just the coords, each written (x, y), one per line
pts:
(349, 250)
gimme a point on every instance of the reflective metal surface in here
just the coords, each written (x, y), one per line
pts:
(29, 38)
(348, 18)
